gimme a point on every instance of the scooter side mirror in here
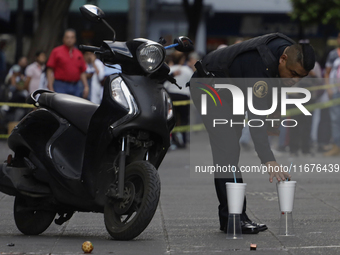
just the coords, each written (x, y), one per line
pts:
(184, 44)
(95, 14)
(92, 13)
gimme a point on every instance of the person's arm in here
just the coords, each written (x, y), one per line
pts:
(50, 68)
(260, 136)
(27, 82)
(13, 81)
(28, 74)
(327, 72)
(86, 85)
(262, 147)
(329, 90)
(329, 64)
(89, 75)
(50, 78)
(83, 77)
(273, 130)
(259, 133)
(101, 70)
(93, 62)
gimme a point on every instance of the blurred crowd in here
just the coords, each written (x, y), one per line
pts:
(67, 70)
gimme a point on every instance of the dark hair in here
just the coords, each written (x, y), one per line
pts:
(308, 59)
(70, 30)
(37, 53)
(304, 54)
(177, 57)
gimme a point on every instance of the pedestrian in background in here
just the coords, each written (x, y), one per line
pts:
(16, 80)
(192, 59)
(17, 93)
(66, 66)
(22, 63)
(33, 72)
(332, 76)
(95, 73)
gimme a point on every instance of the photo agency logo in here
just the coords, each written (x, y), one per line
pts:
(259, 90)
(204, 97)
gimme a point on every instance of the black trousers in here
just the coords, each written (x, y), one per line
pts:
(324, 128)
(224, 141)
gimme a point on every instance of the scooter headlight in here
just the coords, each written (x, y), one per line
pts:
(150, 56)
(168, 106)
(122, 95)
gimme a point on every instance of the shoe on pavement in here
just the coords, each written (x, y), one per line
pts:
(247, 228)
(260, 226)
(335, 151)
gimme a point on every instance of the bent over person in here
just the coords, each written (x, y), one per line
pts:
(265, 57)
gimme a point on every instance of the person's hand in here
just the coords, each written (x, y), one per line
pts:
(92, 58)
(85, 92)
(176, 73)
(275, 170)
(89, 75)
(50, 87)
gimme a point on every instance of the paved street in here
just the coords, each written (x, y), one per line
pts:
(186, 221)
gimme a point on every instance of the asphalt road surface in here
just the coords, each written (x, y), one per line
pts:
(186, 221)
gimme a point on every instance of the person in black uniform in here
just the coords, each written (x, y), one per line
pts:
(269, 56)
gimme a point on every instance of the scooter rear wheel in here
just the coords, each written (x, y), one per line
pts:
(29, 220)
(146, 182)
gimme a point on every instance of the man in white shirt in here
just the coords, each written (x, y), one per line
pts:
(33, 72)
(94, 74)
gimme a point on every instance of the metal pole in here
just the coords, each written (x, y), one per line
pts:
(234, 226)
(137, 18)
(286, 223)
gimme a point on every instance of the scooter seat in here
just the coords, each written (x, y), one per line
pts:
(76, 110)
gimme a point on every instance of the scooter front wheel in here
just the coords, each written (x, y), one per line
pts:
(29, 218)
(145, 195)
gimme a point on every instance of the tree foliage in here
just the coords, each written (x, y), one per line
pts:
(310, 12)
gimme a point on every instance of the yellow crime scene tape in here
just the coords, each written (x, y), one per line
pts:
(20, 105)
(323, 87)
(180, 103)
(199, 127)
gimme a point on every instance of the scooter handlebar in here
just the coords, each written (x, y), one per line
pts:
(89, 48)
